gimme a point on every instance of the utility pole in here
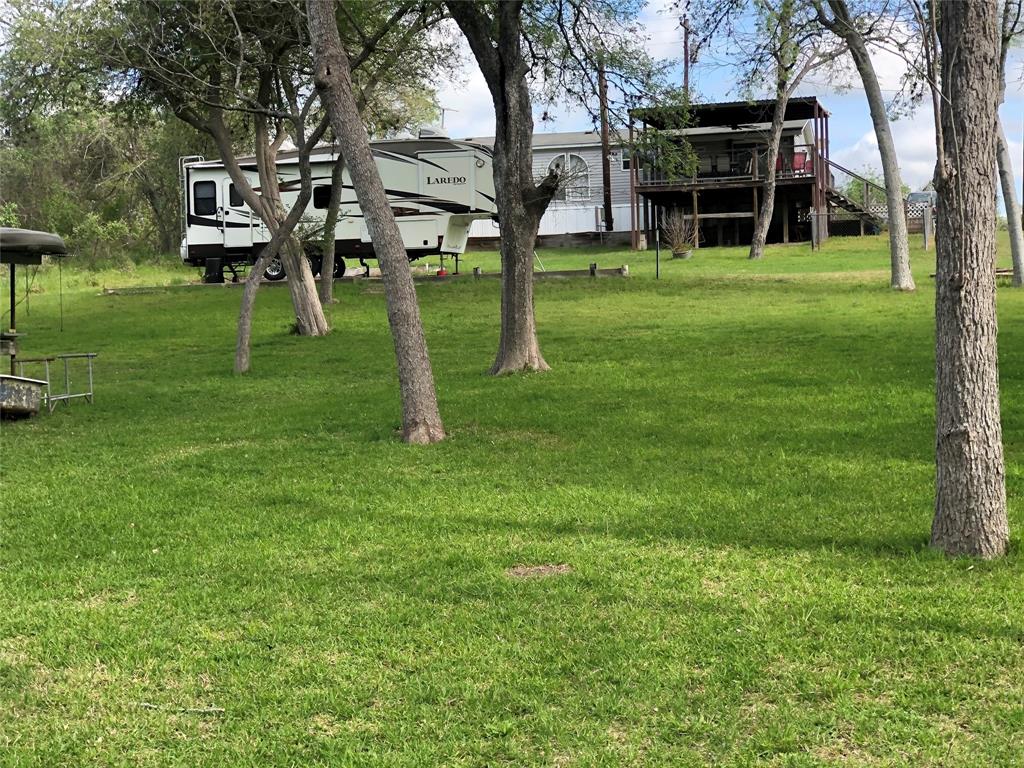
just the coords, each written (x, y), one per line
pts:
(606, 150)
(685, 22)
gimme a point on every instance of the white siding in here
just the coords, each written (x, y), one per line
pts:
(578, 215)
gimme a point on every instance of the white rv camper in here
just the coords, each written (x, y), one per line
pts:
(437, 188)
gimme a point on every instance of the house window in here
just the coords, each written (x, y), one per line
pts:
(575, 176)
(204, 198)
(322, 196)
(234, 198)
(626, 156)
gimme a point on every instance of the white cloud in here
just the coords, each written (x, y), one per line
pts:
(915, 146)
(469, 101)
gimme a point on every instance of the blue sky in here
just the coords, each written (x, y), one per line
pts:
(850, 130)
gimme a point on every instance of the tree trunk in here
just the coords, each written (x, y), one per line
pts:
(518, 348)
(166, 231)
(330, 225)
(309, 312)
(421, 421)
(243, 345)
(970, 492)
(764, 218)
(497, 46)
(900, 278)
(1013, 220)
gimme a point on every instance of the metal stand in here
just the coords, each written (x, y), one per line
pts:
(67, 395)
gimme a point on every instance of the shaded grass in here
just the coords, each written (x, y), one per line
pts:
(735, 461)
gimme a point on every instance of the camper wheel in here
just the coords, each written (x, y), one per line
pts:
(339, 266)
(275, 270)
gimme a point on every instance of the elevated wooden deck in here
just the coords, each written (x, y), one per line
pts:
(699, 184)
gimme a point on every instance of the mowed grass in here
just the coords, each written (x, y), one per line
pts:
(735, 461)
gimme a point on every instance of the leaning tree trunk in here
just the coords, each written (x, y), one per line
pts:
(1013, 215)
(421, 420)
(309, 312)
(900, 278)
(330, 227)
(970, 491)
(243, 344)
(764, 218)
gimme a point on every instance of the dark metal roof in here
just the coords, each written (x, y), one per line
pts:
(725, 113)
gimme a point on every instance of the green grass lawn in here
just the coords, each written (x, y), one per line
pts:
(735, 461)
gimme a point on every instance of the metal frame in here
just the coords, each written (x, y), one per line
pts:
(67, 395)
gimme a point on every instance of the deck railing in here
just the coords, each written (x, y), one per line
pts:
(737, 165)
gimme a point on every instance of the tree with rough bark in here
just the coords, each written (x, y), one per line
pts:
(496, 39)
(421, 419)
(547, 48)
(857, 29)
(970, 489)
(330, 225)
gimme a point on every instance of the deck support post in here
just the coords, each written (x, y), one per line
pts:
(696, 222)
(647, 221)
(785, 217)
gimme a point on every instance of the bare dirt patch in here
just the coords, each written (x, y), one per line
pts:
(537, 571)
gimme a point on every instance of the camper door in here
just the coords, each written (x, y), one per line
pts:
(236, 219)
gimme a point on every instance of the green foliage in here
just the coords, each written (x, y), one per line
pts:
(743, 496)
(854, 188)
(115, 169)
(9, 215)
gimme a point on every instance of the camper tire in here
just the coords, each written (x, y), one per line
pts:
(339, 266)
(274, 270)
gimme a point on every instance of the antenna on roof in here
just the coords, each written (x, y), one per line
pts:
(446, 109)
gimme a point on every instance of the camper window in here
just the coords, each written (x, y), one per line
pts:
(234, 198)
(322, 196)
(204, 198)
